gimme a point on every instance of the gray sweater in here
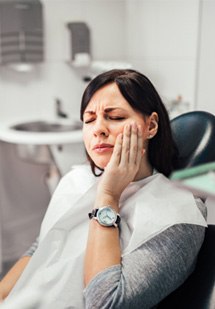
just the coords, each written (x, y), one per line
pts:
(148, 274)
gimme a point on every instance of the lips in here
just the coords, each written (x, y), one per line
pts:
(102, 147)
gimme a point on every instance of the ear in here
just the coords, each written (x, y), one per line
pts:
(152, 125)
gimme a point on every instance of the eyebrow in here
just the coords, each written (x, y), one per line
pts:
(106, 110)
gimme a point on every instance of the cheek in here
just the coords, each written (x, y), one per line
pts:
(115, 130)
(86, 139)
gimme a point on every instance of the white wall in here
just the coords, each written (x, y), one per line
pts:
(172, 41)
(31, 95)
(162, 41)
(206, 64)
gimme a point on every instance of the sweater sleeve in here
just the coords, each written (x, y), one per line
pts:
(32, 248)
(148, 274)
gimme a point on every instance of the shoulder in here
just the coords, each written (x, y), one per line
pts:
(79, 178)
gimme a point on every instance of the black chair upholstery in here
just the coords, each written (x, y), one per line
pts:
(194, 134)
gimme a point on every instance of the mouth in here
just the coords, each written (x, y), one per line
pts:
(100, 148)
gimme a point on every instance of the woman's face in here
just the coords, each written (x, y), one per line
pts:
(104, 118)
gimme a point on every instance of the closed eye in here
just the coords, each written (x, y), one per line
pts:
(116, 118)
(88, 121)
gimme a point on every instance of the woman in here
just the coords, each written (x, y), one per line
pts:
(143, 234)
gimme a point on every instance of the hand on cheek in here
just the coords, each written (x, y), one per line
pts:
(125, 161)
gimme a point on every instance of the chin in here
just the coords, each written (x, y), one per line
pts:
(101, 166)
(101, 163)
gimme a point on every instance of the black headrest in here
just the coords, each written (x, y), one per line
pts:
(194, 134)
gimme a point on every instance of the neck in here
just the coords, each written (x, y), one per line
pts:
(145, 170)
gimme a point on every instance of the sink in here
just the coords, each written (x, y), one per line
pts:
(42, 132)
(45, 126)
(34, 138)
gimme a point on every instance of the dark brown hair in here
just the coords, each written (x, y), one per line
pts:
(143, 97)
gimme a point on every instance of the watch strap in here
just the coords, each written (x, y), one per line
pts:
(93, 213)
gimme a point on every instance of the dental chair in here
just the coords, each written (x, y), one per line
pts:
(194, 133)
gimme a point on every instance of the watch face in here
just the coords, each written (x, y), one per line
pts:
(106, 216)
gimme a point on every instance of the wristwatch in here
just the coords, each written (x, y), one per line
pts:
(106, 216)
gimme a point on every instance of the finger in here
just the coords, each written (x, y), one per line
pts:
(125, 145)
(133, 144)
(140, 151)
(116, 155)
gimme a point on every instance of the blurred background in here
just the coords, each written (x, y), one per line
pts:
(49, 51)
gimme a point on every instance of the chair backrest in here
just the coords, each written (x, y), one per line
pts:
(194, 134)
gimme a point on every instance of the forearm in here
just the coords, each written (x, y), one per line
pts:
(103, 247)
(10, 279)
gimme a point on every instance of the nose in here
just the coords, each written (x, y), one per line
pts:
(100, 128)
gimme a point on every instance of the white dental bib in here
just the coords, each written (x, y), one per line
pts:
(147, 208)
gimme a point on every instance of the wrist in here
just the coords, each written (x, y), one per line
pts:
(106, 200)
